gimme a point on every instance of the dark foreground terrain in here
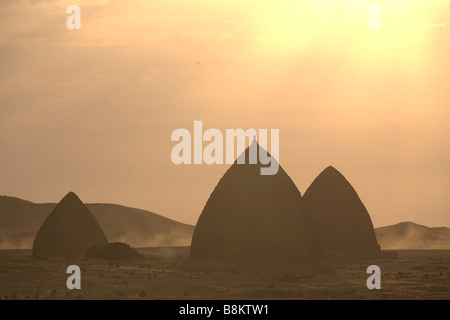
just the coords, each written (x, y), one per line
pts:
(166, 273)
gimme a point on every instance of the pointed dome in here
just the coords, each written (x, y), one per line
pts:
(253, 219)
(69, 230)
(340, 220)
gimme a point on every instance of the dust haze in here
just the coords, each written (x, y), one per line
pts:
(173, 237)
(86, 118)
(409, 235)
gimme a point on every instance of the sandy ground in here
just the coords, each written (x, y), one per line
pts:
(166, 273)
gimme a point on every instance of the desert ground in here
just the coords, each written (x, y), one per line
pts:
(166, 273)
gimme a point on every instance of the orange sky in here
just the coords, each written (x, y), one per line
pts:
(92, 110)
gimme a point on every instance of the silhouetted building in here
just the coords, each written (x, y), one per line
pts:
(68, 231)
(340, 220)
(253, 219)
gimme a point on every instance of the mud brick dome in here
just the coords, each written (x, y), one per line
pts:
(340, 220)
(253, 219)
(68, 231)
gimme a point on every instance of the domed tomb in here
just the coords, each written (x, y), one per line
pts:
(69, 230)
(253, 219)
(340, 219)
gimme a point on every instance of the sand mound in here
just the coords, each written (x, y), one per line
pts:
(253, 219)
(68, 231)
(340, 220)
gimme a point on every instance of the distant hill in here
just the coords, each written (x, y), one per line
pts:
(409, 235)
(20, 221)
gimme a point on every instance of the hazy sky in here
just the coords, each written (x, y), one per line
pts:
(92, 110)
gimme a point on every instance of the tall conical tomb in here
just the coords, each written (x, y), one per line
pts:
(253, 219)
(340, 219)
(68, 231)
